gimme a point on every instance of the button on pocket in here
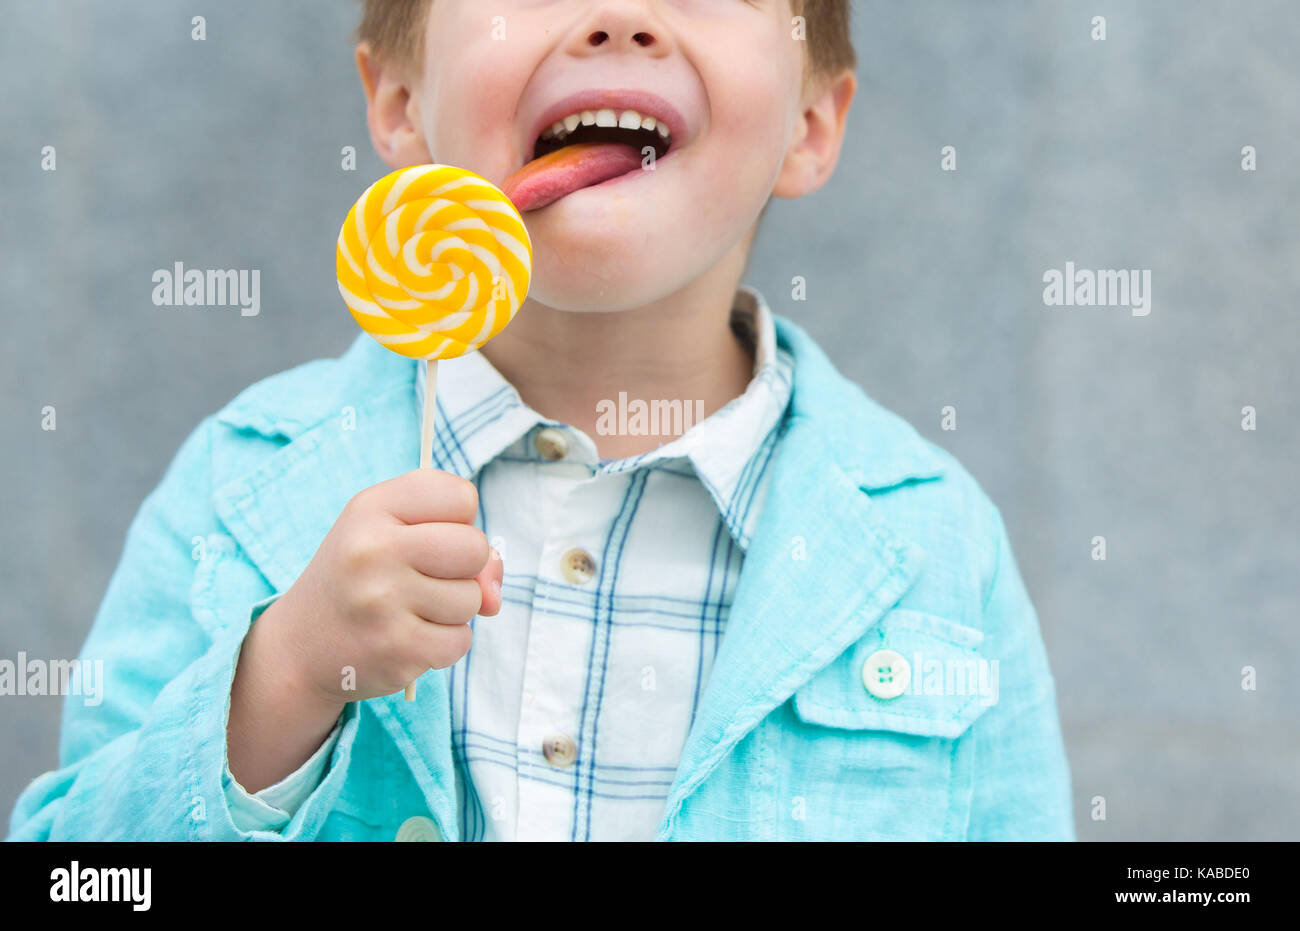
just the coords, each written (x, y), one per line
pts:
(886, 674)
(877, 733)
(932, 681)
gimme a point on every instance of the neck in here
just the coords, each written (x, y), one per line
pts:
(679, 348)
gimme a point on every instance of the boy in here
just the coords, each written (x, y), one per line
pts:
(795, 620)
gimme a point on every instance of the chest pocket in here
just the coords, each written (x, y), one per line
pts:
(877, 733)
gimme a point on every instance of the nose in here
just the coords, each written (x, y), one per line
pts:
(621, 26)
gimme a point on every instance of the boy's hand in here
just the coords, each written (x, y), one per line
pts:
(390, 591)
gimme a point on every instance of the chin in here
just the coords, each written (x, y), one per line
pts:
(588, 269)
(586, 293)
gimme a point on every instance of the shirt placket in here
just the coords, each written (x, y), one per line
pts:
(553, 762)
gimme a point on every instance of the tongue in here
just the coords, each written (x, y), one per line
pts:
(545, 180)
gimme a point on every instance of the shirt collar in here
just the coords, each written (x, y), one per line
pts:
(481, 416)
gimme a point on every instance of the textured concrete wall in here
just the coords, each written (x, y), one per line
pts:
(924, 285)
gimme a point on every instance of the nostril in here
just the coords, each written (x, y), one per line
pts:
(598, 38)
(643, 39)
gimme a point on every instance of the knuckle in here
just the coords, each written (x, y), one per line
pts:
(360, 552)
(362, 501)
(464, 494)
(477, 547)
(476, 601)
(372, 597)
(460, 601)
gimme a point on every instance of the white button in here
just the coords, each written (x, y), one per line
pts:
(551, 444)
(418, 829)
(560, 750)
(577, 566)
(886, 674)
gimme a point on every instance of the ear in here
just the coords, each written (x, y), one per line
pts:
(392, 112)
(818, 137)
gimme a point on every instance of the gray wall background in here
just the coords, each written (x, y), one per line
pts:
(924, 286)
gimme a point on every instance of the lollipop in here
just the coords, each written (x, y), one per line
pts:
(433, 262)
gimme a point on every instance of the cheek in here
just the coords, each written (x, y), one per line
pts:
(752, 113)
(470, 123)
(747, 148)
(757, 120)
(468, 100)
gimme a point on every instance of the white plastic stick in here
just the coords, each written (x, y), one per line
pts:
(426, 439)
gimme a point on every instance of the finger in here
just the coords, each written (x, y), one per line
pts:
(489, 580)
(440, 645)
(447, 601)
(423, 496)
(444, 550)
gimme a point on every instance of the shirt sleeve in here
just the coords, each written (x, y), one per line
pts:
(273, 808)
(1022, 785)
(145, 759)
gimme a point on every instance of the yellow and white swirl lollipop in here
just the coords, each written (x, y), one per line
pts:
(433, 261)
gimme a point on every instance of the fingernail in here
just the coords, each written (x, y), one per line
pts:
(496, 588)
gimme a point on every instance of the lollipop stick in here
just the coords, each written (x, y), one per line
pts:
(426, 439)
(430, 412)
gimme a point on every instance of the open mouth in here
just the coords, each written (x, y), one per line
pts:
(628, 127)
(586, 148)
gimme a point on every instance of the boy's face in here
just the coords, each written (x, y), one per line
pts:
(725, 76)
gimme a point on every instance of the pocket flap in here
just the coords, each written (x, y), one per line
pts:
(948, 684)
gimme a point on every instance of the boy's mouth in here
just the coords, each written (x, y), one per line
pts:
(589, 145)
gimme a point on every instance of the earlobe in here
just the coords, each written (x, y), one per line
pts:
(391, 112)
(818, 138)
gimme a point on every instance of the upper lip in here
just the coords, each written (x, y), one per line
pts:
(643, 102)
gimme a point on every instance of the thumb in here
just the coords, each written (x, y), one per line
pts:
(489, 581)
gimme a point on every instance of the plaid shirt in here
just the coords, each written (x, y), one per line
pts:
(571, 708)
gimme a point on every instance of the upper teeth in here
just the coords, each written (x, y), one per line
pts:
(623, 119)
